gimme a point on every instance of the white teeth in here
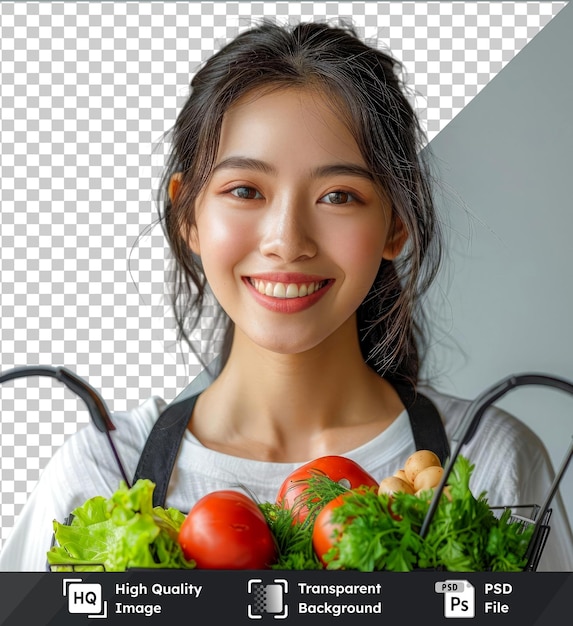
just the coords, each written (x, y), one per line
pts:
(292, 291)
(279, 291)
(286, 290)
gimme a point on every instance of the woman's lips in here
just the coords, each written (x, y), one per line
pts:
(287, 293)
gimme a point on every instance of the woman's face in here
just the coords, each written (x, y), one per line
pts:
(290, 227)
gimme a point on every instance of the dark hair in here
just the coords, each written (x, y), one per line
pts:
(364, 84)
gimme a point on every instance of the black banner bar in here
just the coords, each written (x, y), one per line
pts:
(284, 597)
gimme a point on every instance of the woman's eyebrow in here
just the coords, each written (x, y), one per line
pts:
(342, 169)
(245, 163)
(322, 171)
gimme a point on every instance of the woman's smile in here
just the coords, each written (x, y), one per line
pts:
(288, 293)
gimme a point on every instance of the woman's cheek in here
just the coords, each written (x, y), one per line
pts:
(224, 242)
(360, 252)
(233, 233)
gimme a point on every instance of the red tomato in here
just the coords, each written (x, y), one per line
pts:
(338, 468)
(227, 530)
(324, 532)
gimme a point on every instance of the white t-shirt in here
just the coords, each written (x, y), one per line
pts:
(512, 466)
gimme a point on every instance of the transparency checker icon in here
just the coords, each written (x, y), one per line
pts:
(84, 598)
(459, 598)
(267, 598)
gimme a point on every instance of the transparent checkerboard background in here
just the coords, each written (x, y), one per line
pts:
(86, 92)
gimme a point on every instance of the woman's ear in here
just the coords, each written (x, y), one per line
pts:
(396, 239)
(173, 186)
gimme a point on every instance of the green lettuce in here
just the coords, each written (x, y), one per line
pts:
(118, 533)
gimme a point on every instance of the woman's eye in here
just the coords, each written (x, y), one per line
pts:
(338, 197)
(246, 193)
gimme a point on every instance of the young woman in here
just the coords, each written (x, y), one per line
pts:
(296, 193)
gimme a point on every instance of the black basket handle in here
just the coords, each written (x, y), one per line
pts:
(470, 423)
(95, 404)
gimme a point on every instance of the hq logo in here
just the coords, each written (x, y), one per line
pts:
(84, 598)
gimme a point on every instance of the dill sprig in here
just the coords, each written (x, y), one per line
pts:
(294, 538)
(319, 491)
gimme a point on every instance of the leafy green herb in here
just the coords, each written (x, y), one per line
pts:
(320, 491)
(465, 534)
(294, 539)
(371, 538)
(507, 543)
(124, 531)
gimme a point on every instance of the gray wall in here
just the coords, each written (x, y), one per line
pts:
(505, 296)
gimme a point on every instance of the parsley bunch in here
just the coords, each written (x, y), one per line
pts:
(382, 532)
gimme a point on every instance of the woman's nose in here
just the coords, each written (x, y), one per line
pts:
(287, 231)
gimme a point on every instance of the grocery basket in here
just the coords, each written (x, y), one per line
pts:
(538, 515)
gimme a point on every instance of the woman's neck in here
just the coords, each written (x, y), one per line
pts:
(294, 406)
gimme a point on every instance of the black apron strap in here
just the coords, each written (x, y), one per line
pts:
(160, 451)
(427, 426)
